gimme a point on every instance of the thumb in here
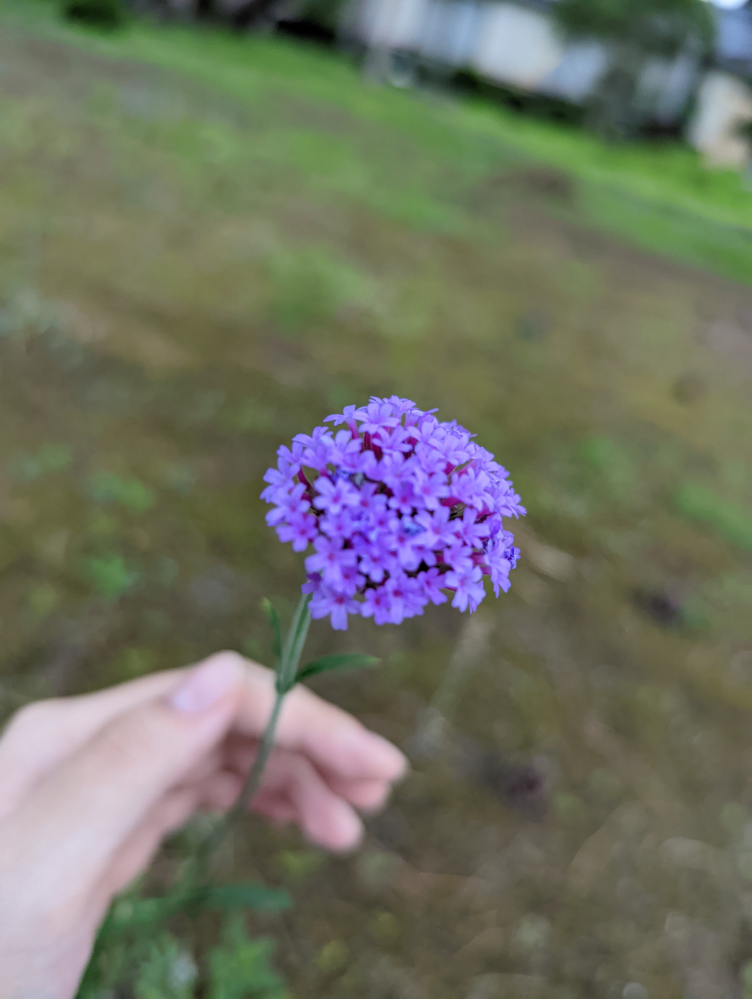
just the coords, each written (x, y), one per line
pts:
(85, 810)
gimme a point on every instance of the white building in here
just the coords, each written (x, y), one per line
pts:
(515, 43)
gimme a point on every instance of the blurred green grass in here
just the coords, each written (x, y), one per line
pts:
(659, 196)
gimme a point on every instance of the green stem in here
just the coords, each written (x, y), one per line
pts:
(286, 670)
(253, 780)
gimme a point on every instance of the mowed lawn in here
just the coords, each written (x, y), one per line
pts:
(208, 244)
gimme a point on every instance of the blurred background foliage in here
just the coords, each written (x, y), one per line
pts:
(210, 242)
(636, 31)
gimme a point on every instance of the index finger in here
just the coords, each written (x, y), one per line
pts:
(41, 735)
(335, 742)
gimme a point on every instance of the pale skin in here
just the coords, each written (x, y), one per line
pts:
(91, 785)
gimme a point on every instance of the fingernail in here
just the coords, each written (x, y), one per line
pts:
(204, 686)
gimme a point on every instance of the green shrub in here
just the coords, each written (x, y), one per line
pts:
(240, 968)
(108, 14)
(169, 971)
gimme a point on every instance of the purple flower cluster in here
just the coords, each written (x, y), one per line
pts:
(399, 507)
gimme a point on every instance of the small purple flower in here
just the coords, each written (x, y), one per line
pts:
(400, 507)
(334, 496)
(403, 499)
(431, 489)
(379, 519)
(300, 529)
(377, 416)
(501, 558)
(352, 580)
(377, 604)
(348, 417)
(439, 530)
(336, 605)
(374, 561)
(470, 531)
(291, 504)
(343, 525)
(407, 599)
(279, 479)
(405, 534)
(432, 583)
(344, 448)
(468, 588)
(369, 499)
(329, 559)
(470, 488)
(459, 558)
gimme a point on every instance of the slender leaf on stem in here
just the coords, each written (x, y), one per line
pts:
(294, 642)
(295, 626)
(271, 612)
(300, 638)
(325, 664)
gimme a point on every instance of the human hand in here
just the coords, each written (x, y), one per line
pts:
(90, 785)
